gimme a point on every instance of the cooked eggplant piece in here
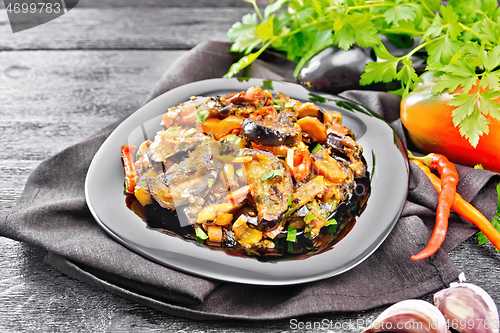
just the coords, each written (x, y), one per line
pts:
(269, 133)
(160, 192)
(343, 147)
(200, 162)
(271, 186)
(172, 141)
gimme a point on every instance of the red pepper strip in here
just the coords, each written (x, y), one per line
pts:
(128, 167)
(237, 196)
(301, 165)
(465, 209)
(449, 178)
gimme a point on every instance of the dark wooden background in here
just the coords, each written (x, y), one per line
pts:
(64, 80)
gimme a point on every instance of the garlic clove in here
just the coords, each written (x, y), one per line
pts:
(468, 308)
(410, 316)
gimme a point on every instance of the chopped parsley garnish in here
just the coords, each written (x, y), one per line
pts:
(289, 104)
(332, 226)
(201, 115)
(279, 101)
(190, 132)
(291, 235)
(240, 172)
(174, 129)
(232, 138)
(211, 104)
(289, 200)
(310, 217)
(200, 234)
(210, 182)
(271, 174)
(315, 149)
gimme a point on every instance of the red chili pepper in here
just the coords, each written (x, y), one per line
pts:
(465, 209)
(449, 178)
(128, 167)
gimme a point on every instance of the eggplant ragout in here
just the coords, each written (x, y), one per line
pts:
(249, 174)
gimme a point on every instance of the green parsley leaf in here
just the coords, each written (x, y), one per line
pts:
(200, 234)
(210, 182)
(383, 71)
(467, 116)
(354, 27)
(273, 7)
(400, 12)
(291, 235)
(481, 237)
(451, 20)
(265, 30)
(478, 166)
(243, 34)
(442, 50)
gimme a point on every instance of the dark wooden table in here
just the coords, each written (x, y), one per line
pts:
(64, 80)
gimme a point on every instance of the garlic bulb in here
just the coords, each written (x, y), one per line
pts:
(468, 308)
(412, 316)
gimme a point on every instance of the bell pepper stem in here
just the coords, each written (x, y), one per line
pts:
(424, 159)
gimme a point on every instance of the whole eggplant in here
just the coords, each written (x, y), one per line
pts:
(334, 70)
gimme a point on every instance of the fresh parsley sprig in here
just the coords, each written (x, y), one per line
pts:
(461, 40)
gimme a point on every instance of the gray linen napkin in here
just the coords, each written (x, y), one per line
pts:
(52, 215)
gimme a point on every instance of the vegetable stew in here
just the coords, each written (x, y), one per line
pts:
(250, 174)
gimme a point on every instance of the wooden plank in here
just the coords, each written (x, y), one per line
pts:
(124, 28)
(162, 3)
(51, 100)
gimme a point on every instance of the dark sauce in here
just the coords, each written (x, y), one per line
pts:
(175, 223)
